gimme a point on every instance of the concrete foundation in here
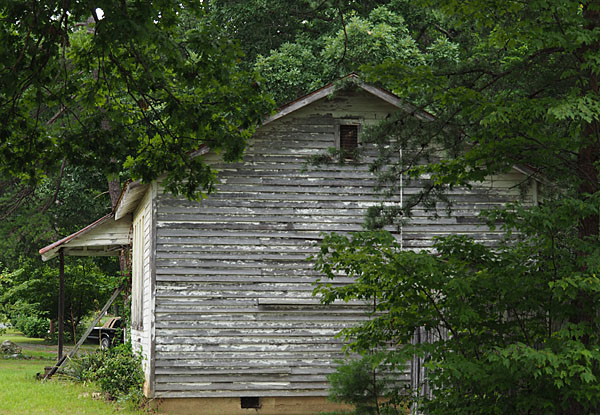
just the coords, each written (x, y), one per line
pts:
(233, 406)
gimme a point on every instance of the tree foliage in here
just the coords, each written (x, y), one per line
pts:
(503, 319)
(30, 291)
(123, 87)
(34, 216)
(91, 91)
(302, 45)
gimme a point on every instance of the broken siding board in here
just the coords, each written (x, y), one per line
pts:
(221, 345)
(287, 332)
(256, 363)
(196, 330)
(256, 278)
(237, 394)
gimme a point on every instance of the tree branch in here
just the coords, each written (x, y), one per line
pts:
(58, 184)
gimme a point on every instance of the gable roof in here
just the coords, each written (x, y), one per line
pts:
(329, 89)
(133, 191)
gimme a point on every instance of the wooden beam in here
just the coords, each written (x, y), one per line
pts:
(86, 334)
(61, 304)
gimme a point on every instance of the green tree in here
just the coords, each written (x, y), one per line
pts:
(132, 87)
(30, 291)
(302, 45)
(34, 216)
(516, 84)
(264, 26)
(296, 68)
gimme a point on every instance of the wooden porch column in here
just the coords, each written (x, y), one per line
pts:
(61, 303)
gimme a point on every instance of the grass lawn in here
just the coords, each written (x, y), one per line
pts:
(22, 393)
(39, 347)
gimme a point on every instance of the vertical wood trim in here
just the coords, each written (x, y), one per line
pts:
(153, 236)
(137, 297)
(61, 303)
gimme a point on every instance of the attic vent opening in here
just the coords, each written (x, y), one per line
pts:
(348, 141)
(250, 402)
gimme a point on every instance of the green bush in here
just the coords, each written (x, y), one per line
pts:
(33, 326)
(118, 372)
(367, 385)
(84, 367)
(121, 371)
(27, 318)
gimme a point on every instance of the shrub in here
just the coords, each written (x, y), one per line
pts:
(366, 385)
(33, 326)
(121, 371)
(27, 318)
(118, 372)
(84, 367)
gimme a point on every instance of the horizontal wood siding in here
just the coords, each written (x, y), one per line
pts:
(235, 314)
(465, 207)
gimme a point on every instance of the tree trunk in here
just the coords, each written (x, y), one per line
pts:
(114, 190)
(587, 164)
(73, 327)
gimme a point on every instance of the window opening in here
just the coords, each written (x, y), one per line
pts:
(348, 141)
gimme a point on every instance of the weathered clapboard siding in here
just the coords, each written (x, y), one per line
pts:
(234, 288)
(466, 205)
(235, 314)
(141, 337)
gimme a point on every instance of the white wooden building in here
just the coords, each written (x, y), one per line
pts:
(222, 303)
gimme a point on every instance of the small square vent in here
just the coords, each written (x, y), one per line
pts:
(250, 402)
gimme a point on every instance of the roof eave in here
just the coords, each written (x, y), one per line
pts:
(128, 197)
(50, 251)
(326, 90)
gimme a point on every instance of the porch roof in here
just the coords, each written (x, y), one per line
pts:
(104, 237)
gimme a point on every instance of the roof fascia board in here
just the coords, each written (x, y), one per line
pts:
(122, 208)
(396, 101)
(308, 99)
(331, 88)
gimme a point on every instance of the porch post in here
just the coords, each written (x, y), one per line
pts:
(61, 303)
